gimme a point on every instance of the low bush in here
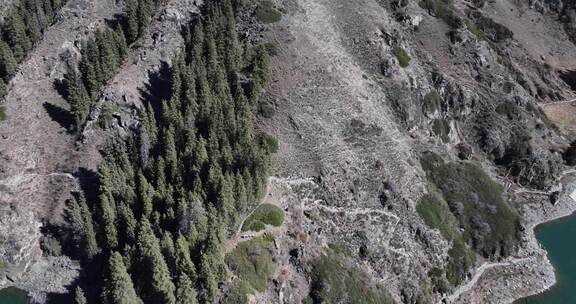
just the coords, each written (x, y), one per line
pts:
(474, 30)
(237, 294)
(441, 128)
(431, 102)
(436, 214)
(508, 109)
(252, 262)
(490, 226)
(507, 87)
(266, 13)
(492, 30)
(268, 142)
(2, 113)
(402, 56)
(443, 9)
(334, 280)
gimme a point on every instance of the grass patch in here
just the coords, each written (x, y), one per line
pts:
(2, 265)
(488, 224)
(441, 128)
(265, 12)
(2, 113)
(252, 262)
(265, 214)
(336, 281)
(402, 56)
(431, 102)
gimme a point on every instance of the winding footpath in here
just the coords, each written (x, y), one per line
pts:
(478, 274)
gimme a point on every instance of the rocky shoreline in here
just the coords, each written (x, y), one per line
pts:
(534, 274)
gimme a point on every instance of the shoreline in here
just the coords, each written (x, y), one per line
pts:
(536, 274)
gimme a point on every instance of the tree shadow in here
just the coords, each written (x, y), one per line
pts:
(89, 183)
(60, 87)
(60, 115)
(118, 21)
(158, 88)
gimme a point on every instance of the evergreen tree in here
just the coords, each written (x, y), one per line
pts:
(185, 292)
(184, 262)
(77, 96)
(14, 29)
(83, 234)
(108, 220)
(90, 245)
(132, 20)
(8, 63)
(157, 282)
(146, 195)
(118, 288)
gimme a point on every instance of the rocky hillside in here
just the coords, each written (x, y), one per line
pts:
(418, 144)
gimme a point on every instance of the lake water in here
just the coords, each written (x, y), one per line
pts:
(13, 295)
(559, 239)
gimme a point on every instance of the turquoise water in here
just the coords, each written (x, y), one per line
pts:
(13, 295)
(559, 239)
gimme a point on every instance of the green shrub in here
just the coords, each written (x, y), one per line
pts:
(265, 214)
(436, 214)
(268, 142)
(489, 225)
(340, 248)
(507, 87)
(508, 109)
(491, 29)
(271, 48)
(265, 12)
(444, 10)
(441, 128)
(402, 56)
(237, 294)
(2, 113)
(474, 30)
(437, 277)
(252, 262)
(266, 110)
(431, 102)
(334, 280)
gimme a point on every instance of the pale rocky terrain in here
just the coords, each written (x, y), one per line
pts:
(355, 134)
(351, 129)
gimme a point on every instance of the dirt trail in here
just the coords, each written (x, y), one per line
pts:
(479, 272)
